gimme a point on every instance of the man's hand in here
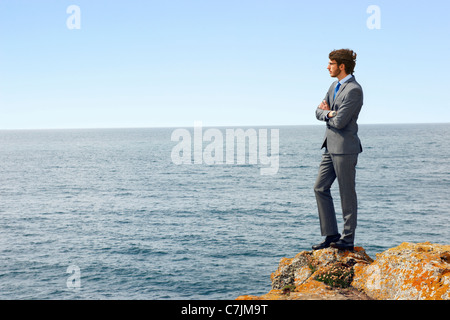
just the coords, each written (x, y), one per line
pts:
(324, 105)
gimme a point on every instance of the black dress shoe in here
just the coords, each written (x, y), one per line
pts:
(327, 242)
(342, 245)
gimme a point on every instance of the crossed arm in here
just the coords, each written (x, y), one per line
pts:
(340, 118)
(324, 106)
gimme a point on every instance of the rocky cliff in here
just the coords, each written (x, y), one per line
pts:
(409, 271)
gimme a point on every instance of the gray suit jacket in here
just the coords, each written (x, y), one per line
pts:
(341, 135)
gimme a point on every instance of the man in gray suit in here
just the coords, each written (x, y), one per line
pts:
(340, 110)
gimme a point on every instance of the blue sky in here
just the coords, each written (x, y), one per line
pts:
(223, 62)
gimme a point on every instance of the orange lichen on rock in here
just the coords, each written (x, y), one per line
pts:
(284, 262)
(409, 271)
(296, 278)
(271, 295)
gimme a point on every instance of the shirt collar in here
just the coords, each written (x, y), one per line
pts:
(345, 79)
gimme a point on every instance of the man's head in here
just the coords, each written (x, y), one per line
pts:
(342, 62)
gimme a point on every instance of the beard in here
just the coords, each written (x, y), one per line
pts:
(335, 73)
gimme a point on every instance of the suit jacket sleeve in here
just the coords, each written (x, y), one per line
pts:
(322, 114)
(350, 106)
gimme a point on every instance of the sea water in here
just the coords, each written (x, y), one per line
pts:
(106, 214)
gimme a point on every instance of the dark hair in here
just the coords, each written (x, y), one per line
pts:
(346, 57)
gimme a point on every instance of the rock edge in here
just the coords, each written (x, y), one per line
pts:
(410, 271)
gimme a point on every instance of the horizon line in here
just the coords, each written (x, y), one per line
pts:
(209, 126)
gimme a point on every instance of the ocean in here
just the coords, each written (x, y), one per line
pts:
(107, 214)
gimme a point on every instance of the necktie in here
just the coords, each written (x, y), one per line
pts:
(336, 89)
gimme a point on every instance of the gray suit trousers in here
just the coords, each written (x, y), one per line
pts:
(342, 167)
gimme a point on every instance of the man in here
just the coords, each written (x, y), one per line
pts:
(340, 110)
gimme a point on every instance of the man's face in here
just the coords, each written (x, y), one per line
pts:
(333, 68)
